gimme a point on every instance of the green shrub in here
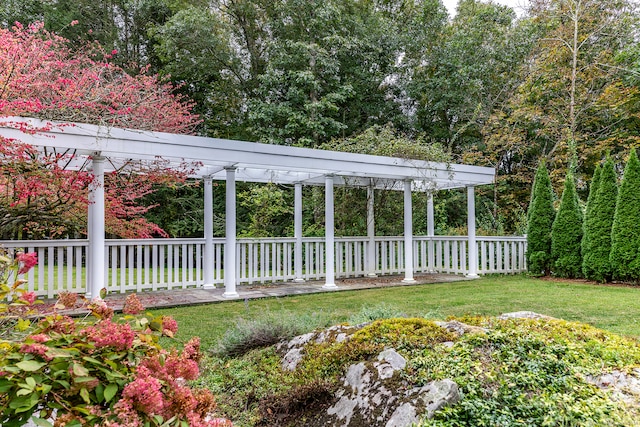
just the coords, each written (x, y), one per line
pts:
(587, 236)
(625, 233)
(596, 260)
(566, 233)
(93, 371)
(540, 220)
(265, 330)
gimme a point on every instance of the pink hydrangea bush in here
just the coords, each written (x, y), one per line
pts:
(100, 371)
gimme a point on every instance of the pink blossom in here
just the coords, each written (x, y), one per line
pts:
(144, 393)
(109, 334)
(28, 297)
(182, 368)
(39, 338)
(192, 349)
(114, 52)
(27, 261)
(169, 324)
(132, 305)
(39, 349)
(126, 414)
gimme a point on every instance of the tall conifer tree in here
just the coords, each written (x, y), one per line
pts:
(625, 234)
(603, 210)
(566, 233)
(587, 238)
(540, 221)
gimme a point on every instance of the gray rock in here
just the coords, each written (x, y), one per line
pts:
(372, 396)
(622, 386)
(460, 328)
(393, 358)
(523, 315)
(404, 415)
(291, 359)
(438, 394)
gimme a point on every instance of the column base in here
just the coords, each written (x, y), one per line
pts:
(472, 276)
(372, 275)
(299, 280)
(409, 280)
(329, 286)
(231, 295)
(208, 286)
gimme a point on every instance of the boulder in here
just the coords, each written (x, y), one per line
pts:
(373, 394)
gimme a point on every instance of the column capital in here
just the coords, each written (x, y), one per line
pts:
(230, 168)
(97, 156)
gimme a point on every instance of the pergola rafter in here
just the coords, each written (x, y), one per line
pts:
(231, 161)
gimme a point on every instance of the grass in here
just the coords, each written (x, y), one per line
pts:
(612, 308)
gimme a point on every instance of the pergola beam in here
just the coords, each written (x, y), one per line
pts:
(255, 162)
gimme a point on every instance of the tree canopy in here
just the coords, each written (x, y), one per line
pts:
(560, 82)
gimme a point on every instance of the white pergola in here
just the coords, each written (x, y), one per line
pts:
(231, 161)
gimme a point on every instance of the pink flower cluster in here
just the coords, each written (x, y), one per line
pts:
(132, 305)
(108, 334)
(29, 297)
(145, 393)
(37, 349)
(159, 389)
(169, 324)
(27, 261)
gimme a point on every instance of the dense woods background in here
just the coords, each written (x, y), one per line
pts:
(398, 77)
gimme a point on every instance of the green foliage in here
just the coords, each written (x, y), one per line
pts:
(265, 330)
(530, 372)
(596, 260)
(268, 210)
(589, 220)
(566, 233)
(625, 233)
(540, 218)
(388, 141)
(517, 372)
(93, 370)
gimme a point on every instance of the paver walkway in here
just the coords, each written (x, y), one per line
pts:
(191, 296)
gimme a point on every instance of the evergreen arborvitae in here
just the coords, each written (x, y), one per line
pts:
(625, 234)
(603, 210)
(540, 220)
(587, 239)
(566, 233)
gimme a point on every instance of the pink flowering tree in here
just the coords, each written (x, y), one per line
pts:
(95, 371)
(40, 76)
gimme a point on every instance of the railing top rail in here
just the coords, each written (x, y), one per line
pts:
(43, 243)
(218, 240)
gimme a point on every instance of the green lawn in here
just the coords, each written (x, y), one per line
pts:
(616, 309)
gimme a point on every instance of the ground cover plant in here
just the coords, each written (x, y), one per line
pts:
(529, 370)
(510, 372)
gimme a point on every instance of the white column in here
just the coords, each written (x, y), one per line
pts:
(230, 235)
(297, 226)
(208, 260)
(96, 230)
(430, 233)
(408, 234)
(329, 233)
(371, 232)
(472, 247)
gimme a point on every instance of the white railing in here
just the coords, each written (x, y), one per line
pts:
(152, 264)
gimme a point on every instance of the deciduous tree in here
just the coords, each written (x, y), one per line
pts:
(41, 77)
